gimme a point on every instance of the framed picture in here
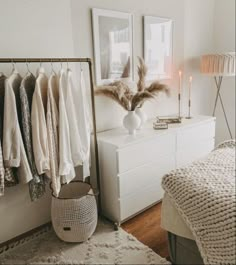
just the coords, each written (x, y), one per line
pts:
(113, 45)
(158, 47)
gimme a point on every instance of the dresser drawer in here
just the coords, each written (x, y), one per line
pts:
(145, 152)
(135, 203)
(142, 177)
(192, 136)
(194, 152)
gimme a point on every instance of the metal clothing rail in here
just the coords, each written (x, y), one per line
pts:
(71, 60)
(45, 60)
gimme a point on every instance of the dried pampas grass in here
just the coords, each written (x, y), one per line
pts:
(156, 87)
(125, 97)
(118, 95)
(142, 72)
(139, 98)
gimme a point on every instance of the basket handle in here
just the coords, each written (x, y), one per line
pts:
(96, 192)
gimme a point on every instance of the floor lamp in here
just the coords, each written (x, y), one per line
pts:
(219, 66)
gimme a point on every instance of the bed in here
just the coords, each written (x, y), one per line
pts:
(199, 209)
(182, 246)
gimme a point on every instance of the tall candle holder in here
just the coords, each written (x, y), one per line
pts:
(177, 118)
(189, 99)
(189, 110)
(179, 94)
(179, 99)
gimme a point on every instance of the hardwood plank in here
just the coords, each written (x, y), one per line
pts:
(146, 227)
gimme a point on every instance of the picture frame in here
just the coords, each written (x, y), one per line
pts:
(158, 47)
(113, 45)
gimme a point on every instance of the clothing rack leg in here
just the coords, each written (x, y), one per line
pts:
(95, 133)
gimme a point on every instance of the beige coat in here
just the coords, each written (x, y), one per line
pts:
(52, 130)
(10, 177)
(39, 127)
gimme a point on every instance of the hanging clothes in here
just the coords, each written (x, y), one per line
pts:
(2, 172)
(37, 184)
(84, 121)
(66, 166)
(39, 127)
(13, 147)
(52, 130)
(10, 176)
(11, 137)
(73, 122)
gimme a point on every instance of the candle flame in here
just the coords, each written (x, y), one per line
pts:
(180, 73)
(190, 78)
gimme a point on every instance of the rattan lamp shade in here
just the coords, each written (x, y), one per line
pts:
(218, 64)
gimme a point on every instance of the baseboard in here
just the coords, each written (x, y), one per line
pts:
(25, 237)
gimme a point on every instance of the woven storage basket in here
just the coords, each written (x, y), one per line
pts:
(74, 212)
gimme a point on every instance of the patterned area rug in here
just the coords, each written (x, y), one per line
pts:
(106, 246)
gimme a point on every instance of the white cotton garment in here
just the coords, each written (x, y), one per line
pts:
(84, 122)
(39, 126)
(52, 127)
(66, 166)
(73, 121)
(13, 147)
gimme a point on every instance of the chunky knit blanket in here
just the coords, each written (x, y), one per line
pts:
(204, 195)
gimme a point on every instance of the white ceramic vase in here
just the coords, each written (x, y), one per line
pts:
(131, 122)
(142, 115)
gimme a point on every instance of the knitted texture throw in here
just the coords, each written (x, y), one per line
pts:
(204, 195)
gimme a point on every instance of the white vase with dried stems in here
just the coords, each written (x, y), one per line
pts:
(133, 101)
(142, 116)
(131, 122)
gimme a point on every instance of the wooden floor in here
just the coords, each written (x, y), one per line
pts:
(146, 228)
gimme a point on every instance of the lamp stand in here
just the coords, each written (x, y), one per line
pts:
(218, 96)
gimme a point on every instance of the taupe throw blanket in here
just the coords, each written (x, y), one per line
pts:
(204, 195)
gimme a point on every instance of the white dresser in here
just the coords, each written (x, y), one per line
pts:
(132, 167)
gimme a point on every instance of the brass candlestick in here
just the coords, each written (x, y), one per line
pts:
(189, 110)
(179, 98)
(189, 99)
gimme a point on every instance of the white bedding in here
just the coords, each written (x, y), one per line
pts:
(171, 220)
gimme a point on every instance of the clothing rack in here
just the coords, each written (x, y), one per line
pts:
(71, 60)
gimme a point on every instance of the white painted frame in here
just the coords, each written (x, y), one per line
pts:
(96, 41)
(146, 22)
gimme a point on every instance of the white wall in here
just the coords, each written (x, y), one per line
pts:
(198, 40)
(110, 115)
(30, 28)
(224, 41)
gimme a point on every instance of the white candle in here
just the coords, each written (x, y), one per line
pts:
(180, 82)
(190, 86)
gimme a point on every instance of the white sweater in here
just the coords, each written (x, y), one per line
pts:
(73, 121)
(84, 122)
(66, 166)
(39, 127)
